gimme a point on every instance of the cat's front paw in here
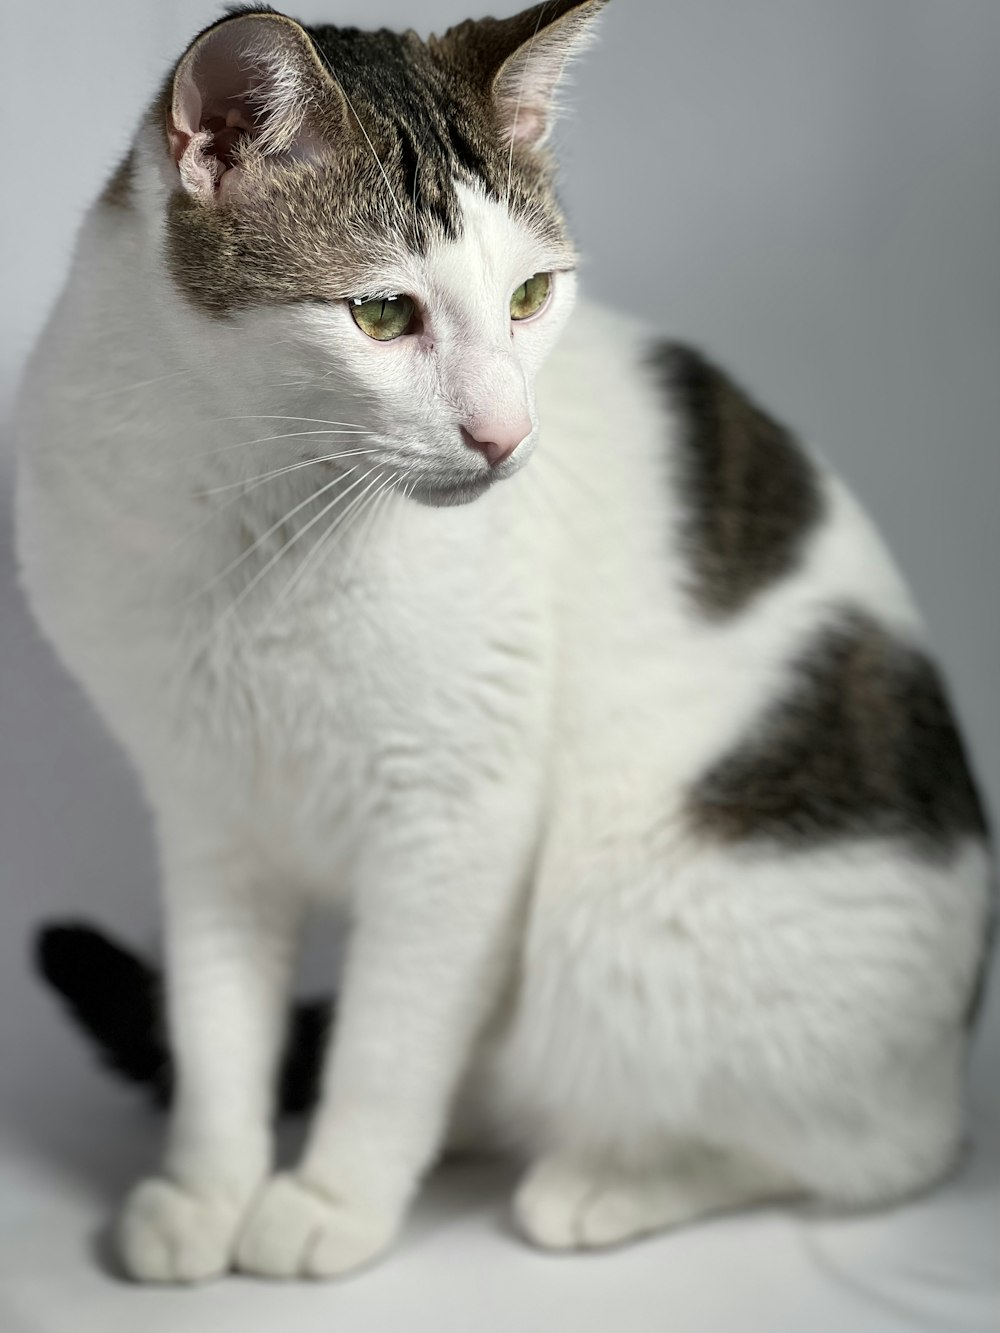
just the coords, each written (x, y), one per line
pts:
(295, 1230)
(167, 1233)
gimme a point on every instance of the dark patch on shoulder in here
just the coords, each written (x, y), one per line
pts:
(862, 744)
(118, 191)
(751, 492)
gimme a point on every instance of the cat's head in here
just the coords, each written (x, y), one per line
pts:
(379, 211)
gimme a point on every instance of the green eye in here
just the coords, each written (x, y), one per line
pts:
(385, 319)
(530, 296)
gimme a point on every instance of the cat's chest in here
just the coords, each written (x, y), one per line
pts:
(379, 695)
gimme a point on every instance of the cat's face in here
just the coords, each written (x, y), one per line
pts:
(376, 215)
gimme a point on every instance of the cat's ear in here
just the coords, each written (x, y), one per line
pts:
(249, 90)
(524, 59)
(548, 37)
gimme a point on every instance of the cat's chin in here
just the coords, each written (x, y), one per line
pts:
(445, 496)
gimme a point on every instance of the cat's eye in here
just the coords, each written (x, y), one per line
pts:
(530, 296)
(384, 318)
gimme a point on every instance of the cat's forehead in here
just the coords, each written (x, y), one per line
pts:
(421, 119)
(493, 252)
(397, 192)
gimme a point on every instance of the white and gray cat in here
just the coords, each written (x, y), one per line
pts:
(412, 585)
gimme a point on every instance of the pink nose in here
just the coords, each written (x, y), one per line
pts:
(497, 439)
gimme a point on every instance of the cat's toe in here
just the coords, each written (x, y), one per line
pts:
(615, 1215)
(170, 1234)
(548, 1203)
(295, 1230)
(563, 1204)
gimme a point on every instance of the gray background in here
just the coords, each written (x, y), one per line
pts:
(808, 188)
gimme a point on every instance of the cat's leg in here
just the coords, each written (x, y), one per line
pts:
(908, 1140)
(570, 1201)
(432, 940)
(904, 1139)
(230, 945)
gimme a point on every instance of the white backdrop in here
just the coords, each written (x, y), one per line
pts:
(808, 188)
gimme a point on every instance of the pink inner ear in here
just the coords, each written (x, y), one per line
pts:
(526, 83)
(526, 88)
(528, 124)
(226, 131)
(215, 106)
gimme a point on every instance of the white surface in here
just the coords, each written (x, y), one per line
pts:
(812, 191)
(932, 1265)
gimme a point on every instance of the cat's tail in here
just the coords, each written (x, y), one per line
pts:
(117, 999)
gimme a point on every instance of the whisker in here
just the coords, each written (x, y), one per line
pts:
(245, 555)
(273, 416)
(338, 499)
(245, 592)
(364, 535)
(204, 643)
(263, 439)
(251, 484)
(385, 487)
(283, 471)
(312, 557)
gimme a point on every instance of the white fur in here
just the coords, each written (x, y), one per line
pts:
(473, 727)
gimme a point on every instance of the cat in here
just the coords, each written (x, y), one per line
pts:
(411, 584)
